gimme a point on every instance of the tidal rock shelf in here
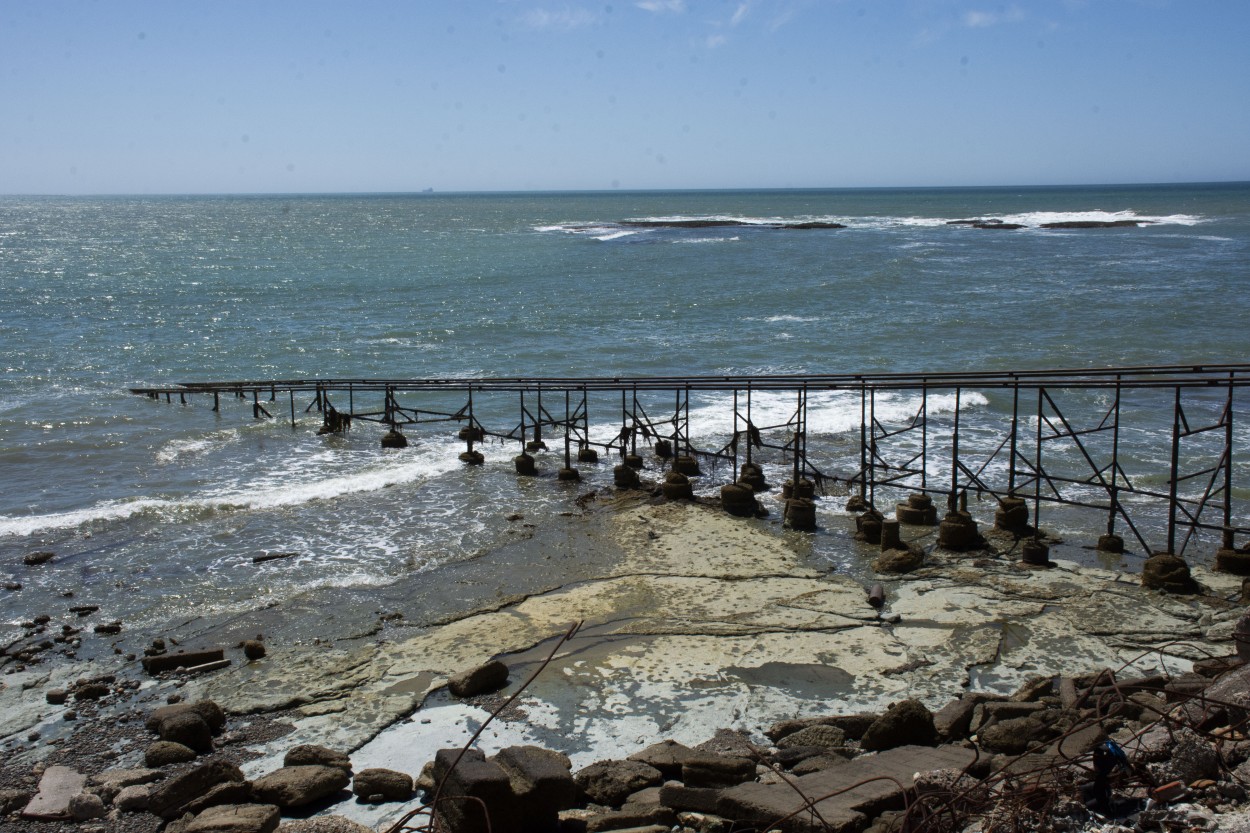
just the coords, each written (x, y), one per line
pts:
(702, 622)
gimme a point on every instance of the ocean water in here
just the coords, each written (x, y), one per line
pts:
(160, 508)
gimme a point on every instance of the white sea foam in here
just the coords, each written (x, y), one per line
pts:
(828, 413)
(712, 218)
(176, 449)
(1032, 219)
(733, 239)
(283, 486)
(1038, 218)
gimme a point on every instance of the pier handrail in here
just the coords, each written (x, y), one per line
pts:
(1189, 375)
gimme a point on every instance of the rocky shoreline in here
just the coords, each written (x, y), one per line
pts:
(695, 627)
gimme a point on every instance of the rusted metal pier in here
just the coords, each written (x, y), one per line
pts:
(1145, 448)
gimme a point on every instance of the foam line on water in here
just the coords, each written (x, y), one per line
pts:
(302, 479)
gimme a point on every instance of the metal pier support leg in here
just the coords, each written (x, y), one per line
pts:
(568, 474)
(1110, 541)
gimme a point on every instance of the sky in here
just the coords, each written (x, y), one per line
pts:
(279, 96)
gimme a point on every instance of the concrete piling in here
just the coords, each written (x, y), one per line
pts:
(394, 439)
(738, 499)
(917, 510)
(677, 486)
(1012, 515)
(868, 527)
(958, 532)
(1111, 543)
(800, 514)
(687, 465)
(1169, 573)
(753, 476)
(1235, 561)
(803, 490)
(1034, 553)
(626, 477)
(890, 539)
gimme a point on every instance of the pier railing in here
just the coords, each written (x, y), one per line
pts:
(1151, 450)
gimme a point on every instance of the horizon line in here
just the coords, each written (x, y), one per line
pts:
(521, 191)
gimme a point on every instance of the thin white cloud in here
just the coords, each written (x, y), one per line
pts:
(740, 14)
(565, 20)
(662, 6)
(714, 41)
(984, 20)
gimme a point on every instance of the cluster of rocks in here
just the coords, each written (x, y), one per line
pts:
(1185, 739)
(994, 223)
(42, 635)
(193, 794)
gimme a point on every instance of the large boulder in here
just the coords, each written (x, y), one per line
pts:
(667, 756)
(382, 784)
(715, 771)
(189, 729)
(212, 714)
(541, 781)
(825, 737)
(170, 798)
(132, 799)
(903, 724)
(1012, 736)
(296, 786)
(474, 789)
(854, 725)
(610, 782)
(235, 818)
(227, 792)
(12, 800)
(166, 752)
(86, 806)
(308, 754)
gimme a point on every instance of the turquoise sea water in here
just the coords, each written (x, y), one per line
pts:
(167, 505)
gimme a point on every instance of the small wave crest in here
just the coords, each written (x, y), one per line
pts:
(175, 450)
(279, 489)
(1040, 218)
(611, 230)
(829, 413)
